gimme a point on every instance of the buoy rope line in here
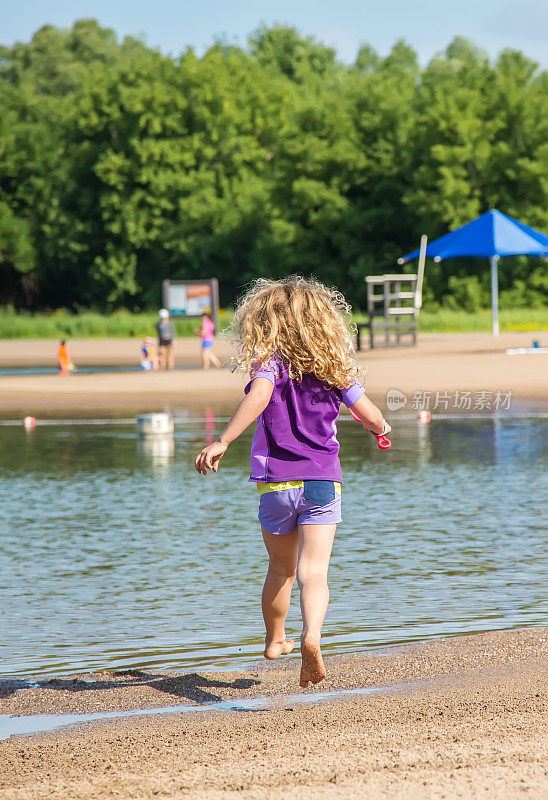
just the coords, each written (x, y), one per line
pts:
(457, 417)
(343, 418)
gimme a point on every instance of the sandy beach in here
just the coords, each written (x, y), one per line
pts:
(440, 363)
(460, 717)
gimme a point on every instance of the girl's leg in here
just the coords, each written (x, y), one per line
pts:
(315, 543)
(282, 565)
(214, 360)
(170, 357)
(205, 358)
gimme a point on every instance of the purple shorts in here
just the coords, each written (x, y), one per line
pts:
(283, 506)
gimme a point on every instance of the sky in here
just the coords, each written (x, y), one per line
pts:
(172, 25)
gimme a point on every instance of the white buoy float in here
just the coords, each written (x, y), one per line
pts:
(29, 423)
(155, 425)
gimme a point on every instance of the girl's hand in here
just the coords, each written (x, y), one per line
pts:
(209, 457)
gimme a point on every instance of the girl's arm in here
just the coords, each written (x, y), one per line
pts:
(370, 416)
(253, 404)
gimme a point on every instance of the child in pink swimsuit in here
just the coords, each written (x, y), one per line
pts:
(207, 332)
(293, 337)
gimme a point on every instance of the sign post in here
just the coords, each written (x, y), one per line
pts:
(192, 298)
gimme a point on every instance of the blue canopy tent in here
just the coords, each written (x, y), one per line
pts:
(492, 235)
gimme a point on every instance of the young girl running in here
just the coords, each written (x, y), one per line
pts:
(292, 337)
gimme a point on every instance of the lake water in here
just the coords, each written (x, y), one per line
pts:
(89, 370)
(115, 553)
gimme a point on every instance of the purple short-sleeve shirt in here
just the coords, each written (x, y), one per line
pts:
(296, 436)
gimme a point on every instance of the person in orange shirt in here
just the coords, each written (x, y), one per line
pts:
(63, 359)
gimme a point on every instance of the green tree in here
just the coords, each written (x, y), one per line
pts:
(120, 166)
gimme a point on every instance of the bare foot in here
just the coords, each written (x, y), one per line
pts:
(274, 649)
(312, 666)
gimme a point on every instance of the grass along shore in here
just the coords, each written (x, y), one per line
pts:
(122, 324)
(90, 324)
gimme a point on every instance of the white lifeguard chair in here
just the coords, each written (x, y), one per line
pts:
(393, 305)
(391, 310)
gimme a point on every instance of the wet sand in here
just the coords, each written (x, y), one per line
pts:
(463, 717)
(440, 363)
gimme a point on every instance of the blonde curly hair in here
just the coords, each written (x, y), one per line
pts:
(301, 321)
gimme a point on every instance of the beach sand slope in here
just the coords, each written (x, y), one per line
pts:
(465, 717)
(440, 363)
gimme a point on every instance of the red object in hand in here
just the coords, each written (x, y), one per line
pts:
(382, 441)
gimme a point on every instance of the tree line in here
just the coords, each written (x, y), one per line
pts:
(121, 166)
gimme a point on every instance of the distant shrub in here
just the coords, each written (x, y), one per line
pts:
(467, 294)
(530, 293)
